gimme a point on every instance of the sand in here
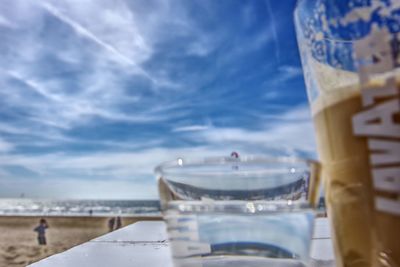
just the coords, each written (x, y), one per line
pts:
(18, 243)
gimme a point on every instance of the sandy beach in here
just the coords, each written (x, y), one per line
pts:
(18, 243)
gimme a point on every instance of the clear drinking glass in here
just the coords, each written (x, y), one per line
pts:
(248, 211)
(350, 51)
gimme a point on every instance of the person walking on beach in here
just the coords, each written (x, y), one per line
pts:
(41, 230)
(114, 223)
(118, 223)
(111, 223)
(235, 156)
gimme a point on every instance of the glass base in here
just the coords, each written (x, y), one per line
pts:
(237, 261)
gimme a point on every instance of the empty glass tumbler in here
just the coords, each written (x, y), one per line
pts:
(248, 211)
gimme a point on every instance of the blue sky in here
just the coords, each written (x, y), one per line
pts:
(95, 93)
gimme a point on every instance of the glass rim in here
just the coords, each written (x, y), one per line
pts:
(163, 168)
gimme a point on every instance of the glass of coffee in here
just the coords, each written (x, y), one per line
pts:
(231, 211)
(350, 52)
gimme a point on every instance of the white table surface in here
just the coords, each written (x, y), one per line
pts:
(144, 244)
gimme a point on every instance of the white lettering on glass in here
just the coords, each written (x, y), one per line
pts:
(387, 205)
(377, 122)
(384, 152)
(387, 179)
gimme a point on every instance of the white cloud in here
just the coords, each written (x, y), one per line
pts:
(291, 71)
(6, 23)
(11, 129)
(5, 146)
(200, 48)
(34, 86)
(291, 134)
(299, 114)
(191, 128)
(292, 130)
(281, 77)
(287, 73)
(271, 94)
(107, 45)
(124, 35)
(274, 31)
(111, 175)
(248, 15)
(114, 51)
(71, 188)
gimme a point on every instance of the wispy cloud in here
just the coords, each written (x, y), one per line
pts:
(191, 128)
(100, 92)
(34, 86)
(274, 31)
(279, 80)
(116, 165)
(72, 188)
(271, 95)
(79, 29)
(11, 129)
(291, 131)
(294, 130)
(6, 23)
(287, 73)
(292, 135)
(291, 71)
(5, 146)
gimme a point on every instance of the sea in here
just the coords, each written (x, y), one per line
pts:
(51, 207)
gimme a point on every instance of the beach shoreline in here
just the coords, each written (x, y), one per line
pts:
(18, 241)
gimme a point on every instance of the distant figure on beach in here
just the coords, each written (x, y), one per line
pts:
(111, 223)
(235, 155)
(118, 223)
(90, 212)
(114, 223)
(41, 230)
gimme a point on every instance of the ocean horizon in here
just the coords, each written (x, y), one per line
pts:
(78, 207)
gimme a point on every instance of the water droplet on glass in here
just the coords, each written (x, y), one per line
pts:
(250, 206)
(180, 162)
